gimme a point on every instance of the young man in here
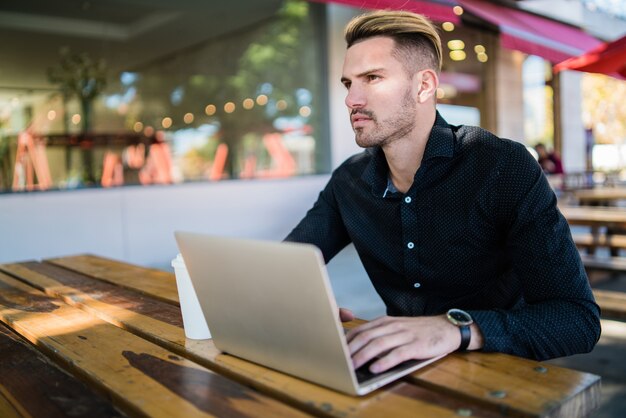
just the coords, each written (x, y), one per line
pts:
(457, 229)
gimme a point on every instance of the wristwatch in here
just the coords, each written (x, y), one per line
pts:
(463, 320)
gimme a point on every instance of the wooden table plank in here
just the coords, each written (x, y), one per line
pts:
(7, 409)
(142, 378)
(31, 386)
(136, 312)
(123, 307)
(157, 283)
(522, 387)
(462, 376)
(612, 303)
(594, 216)
(600, 195)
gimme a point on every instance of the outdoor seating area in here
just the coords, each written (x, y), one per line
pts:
(597, 216)
(596, 212)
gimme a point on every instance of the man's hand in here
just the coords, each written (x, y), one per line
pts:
(346, 315)
(397, 339)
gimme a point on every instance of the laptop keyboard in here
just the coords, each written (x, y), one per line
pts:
(363, 373)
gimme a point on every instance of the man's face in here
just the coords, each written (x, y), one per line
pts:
(381, 95)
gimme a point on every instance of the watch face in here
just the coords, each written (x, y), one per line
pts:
(459, 317)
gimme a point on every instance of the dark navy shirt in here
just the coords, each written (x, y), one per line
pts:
(478, 230)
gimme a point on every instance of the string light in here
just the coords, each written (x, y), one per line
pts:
(166, 122)
(458, 10)
(229, 107)
(456, 44)
(305, 111)
(261, 100)
(457, 55)
(210, 110)
(52, 114)
(137, 127)
(76, 118)
(281, 104)
(188, 118)
(248, 104)
(447, 26)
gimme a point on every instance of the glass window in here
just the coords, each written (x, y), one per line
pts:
(461, 89)
(116, 93)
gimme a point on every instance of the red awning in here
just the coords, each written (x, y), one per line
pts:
(437, 10)
(609, 58)
(519, 30)
(531, 34)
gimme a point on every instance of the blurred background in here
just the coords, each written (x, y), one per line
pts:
(123, 120)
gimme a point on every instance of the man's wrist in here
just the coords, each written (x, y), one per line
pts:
(462, 320)
(466, 337)
(477, 341)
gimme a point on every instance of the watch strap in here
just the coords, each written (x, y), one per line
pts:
(466, 336)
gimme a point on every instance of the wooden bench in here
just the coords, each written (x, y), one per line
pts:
(590, 241)
(612, 303)
(609, 264)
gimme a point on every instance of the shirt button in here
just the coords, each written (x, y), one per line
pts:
(410, 245)
(416, 285)
(407, 199)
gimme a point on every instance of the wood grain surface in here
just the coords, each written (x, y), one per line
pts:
(119, 306)
(594, 216)
(157, 283)
(477, 383)
(519, 386)
(612, 303)
(32, 386)
(143, 379)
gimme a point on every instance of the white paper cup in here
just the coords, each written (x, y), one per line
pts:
(193, 319)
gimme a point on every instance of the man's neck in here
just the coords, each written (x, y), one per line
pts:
(404, 156)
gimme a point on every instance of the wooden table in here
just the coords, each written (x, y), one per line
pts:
(600, 196)
(595, 216)
(84, 336)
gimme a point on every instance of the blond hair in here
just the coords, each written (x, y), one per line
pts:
(418, 45)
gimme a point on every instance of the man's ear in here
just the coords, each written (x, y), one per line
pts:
(428, 81)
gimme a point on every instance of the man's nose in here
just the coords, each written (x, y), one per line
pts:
(355, 98)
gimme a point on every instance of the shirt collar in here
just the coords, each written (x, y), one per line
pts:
(440, 144)
(441, 140)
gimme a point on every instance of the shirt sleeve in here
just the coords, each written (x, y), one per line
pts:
(323, 226)
(559, 316)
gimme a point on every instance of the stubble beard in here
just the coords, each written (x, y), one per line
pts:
(384, 132)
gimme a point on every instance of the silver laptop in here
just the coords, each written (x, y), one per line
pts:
(271, 303)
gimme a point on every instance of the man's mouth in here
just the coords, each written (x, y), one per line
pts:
(359, 119)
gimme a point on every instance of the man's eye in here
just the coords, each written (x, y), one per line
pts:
(373, 77)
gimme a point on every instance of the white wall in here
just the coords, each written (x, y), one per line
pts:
(342, 144)
(510, 95)
(136, 224)
(572, 127)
